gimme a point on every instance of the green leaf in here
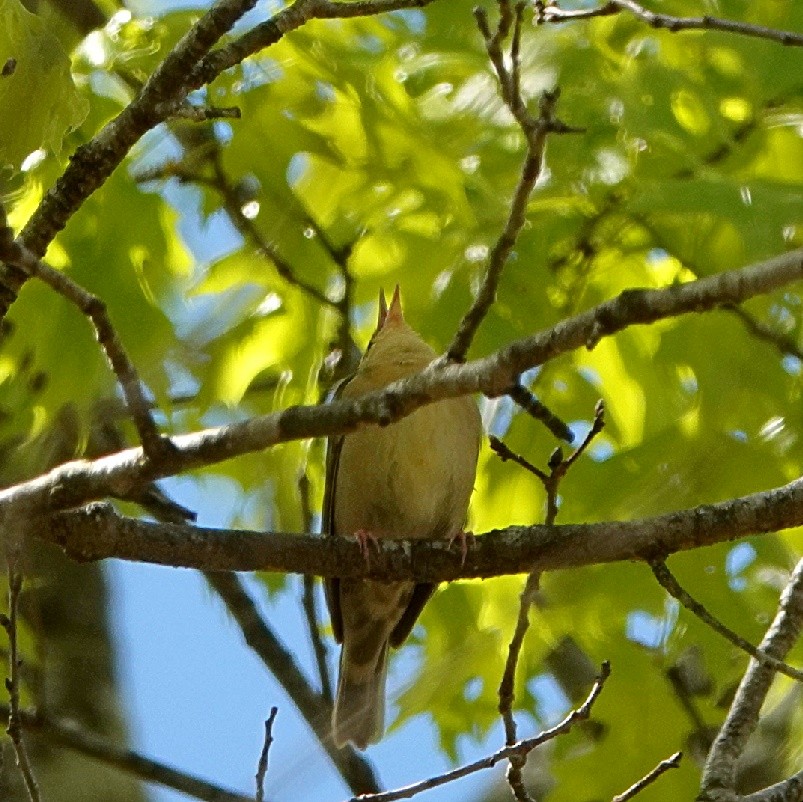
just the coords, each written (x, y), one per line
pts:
(38, 99)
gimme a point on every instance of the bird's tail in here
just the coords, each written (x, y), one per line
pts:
(359, 713)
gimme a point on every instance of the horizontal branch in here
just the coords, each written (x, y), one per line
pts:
(80, 482)
(98, 532)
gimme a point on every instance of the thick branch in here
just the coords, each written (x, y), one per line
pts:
(75, 483)
(789, 790)
(719, 775)
(97, 532)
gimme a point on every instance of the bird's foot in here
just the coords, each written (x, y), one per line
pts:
(364, 537)
(464, 538)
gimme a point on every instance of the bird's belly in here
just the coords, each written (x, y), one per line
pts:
(407, 480)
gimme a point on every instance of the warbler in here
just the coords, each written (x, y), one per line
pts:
(410, 479)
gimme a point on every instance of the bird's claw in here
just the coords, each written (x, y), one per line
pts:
(363, 538)
(464, 538)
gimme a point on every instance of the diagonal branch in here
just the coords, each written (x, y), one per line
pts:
(789, 790)
(94, 162)
(79, 482)
(71, 736)
(355, 770)
(720, 769)
(188, 66)
(16, 254)
(667, 581)
(672, 762)
(553, 13)
(523, 747)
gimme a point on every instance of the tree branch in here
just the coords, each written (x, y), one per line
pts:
(309, 603)
(14, 729)
(94, 162)
(523, 747)
(536, 409)
(553, 13)
(535, 130)
(97, 532)
(667, 581)
(79, 482)
(672, 762)
(719, 774)
(262, 764)
(71, 736)
(355, 770)
(558, 467)
(789, 790)
(16, 254)
(188, 66)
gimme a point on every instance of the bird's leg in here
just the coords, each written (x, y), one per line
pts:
(364, 537)
(464, 538)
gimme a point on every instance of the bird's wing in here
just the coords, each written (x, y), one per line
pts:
(334, 446)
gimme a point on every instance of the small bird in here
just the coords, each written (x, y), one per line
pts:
(410, 479)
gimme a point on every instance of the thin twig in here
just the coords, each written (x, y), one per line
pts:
(507, 687)
(505, 453)
(553, 13)
(220, 182)
(784, 344)
(71, 735)
(199, 114)
(535, 130)
(355, 770)
(558, 467)
(262, 765)
(532, 406)
(308, 600)
(14, 729)
(672, 762)
(674, 588)
(248, 228)
(525, 746)
(15, 253)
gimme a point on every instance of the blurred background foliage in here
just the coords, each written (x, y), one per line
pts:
(376, 151)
